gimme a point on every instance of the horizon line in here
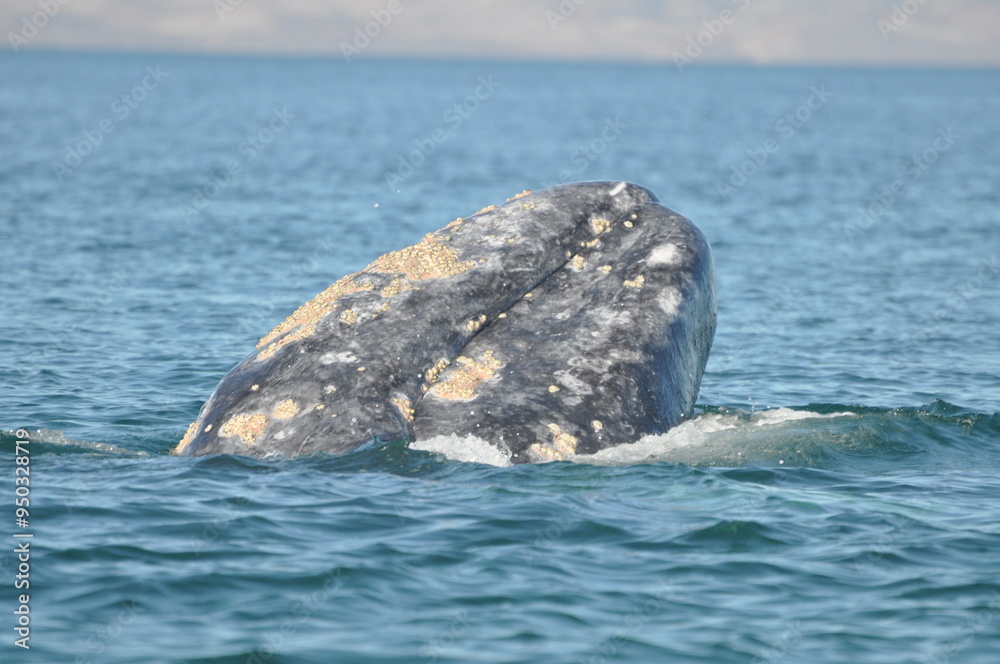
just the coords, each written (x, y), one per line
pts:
(534, 59)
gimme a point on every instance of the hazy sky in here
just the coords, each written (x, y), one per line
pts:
(936, 32)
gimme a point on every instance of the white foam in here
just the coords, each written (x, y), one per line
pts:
(782, 415)
(463, 448)
(707, 438)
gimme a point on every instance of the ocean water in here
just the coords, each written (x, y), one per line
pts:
(835, 498)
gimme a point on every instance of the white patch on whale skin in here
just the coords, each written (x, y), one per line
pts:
(619, 188)
(665, 254)
(463, 448)
(669, 300)
(566, 378)
(604, 364)
(611, 318)
(342, 357)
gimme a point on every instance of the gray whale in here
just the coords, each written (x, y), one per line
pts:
(562, 322)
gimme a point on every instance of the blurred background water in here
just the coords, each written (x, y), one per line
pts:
(834, 499)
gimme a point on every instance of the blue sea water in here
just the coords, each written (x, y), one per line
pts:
(834, 499)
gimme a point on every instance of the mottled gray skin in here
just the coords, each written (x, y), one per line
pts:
(596, 357)
(356, 367)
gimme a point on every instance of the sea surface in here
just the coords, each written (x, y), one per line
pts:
(835, 497)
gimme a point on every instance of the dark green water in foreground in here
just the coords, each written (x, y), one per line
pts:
(835, 499)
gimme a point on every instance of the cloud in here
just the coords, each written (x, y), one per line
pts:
(943, 32)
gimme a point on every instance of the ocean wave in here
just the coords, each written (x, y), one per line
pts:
(817, 435)
(53, 440)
